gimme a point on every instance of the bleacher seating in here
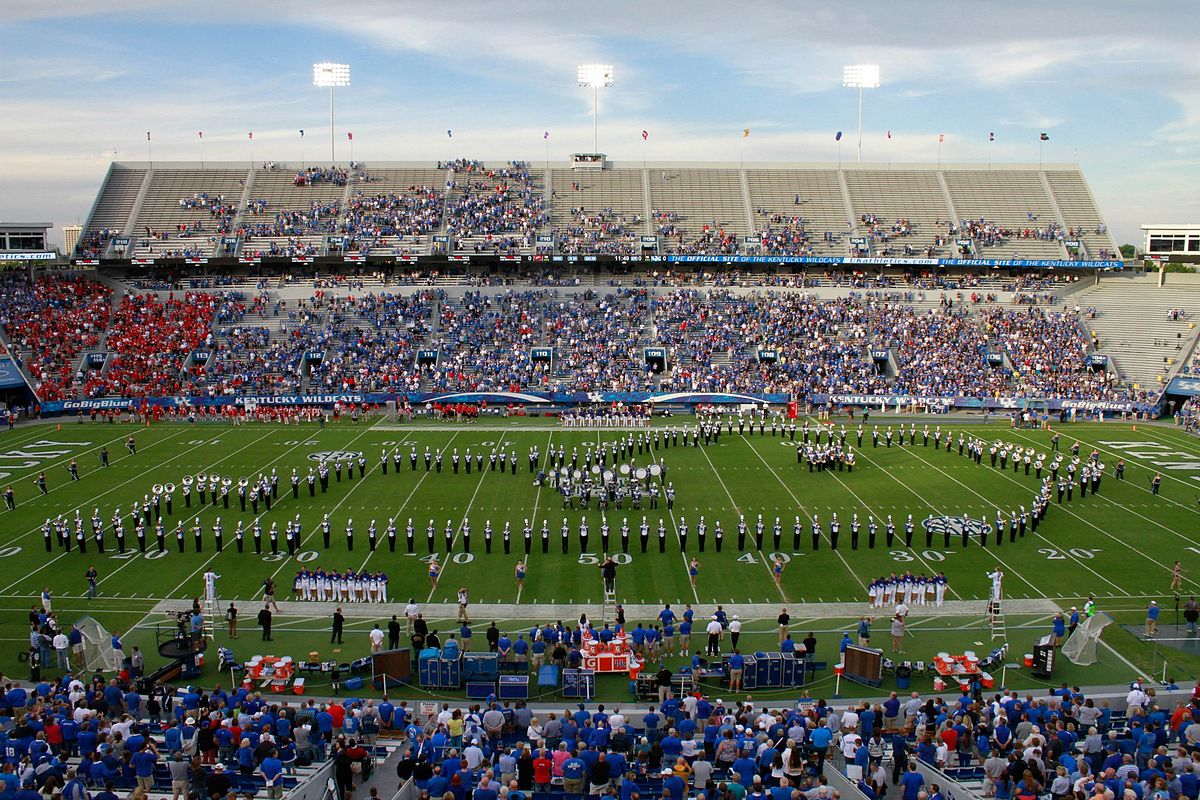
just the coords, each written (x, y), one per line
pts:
(814, 196)
(185, 210)
(1014, 200)
(914, 197)
(113, 207)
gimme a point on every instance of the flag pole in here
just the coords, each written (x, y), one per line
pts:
(149, 150)
(202, 150)
(939, 151)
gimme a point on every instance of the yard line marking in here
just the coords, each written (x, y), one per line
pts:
(201, 508)
(283, 498)
(1120, 506)
(935, 510)
(1124, 506)
(537, 499)
(466, 512)
(35, 430)
(50, 465)
(804, 509)
(766, 564)
(1032, 533)
(403, 505)
(1146, 463)
(82, 505)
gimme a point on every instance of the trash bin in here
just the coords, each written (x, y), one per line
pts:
(903, 676)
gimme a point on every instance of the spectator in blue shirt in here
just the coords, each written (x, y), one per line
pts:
(911, 783)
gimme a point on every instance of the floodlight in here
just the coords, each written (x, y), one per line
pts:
(328, 75)
(595, 77)
(860, 76)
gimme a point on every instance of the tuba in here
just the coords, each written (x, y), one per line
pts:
(243, 483)
(202, 477)
(227, 482)
(170, 487)
(157, 489)
(188, 480)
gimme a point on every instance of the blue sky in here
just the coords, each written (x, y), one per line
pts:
(1115, 84)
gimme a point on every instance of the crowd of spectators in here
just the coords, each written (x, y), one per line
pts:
(149, 341)
(599, 232)
(395, 219)
(503, 207)
(315, 175)
(51, 320)
(370, 342)
(1048, 352)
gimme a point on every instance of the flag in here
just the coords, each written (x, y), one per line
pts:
(350, 135)
(645, 135)
(745, 133)
(546, 135)
(148, 135)
(251, 135)
(302, 133)
(449, 133)
(941, 138)
(200, 134)
(837, 137)
(1045, 137)
(991, 136)
(889, 134)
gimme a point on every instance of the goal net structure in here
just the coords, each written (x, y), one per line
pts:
(98, 651)
(1080, 648)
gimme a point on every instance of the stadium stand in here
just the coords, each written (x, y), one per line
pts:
(1146, 329)
(111, 213)
(50, 321)
(183, 212)
(284, 210)
(809, 198)
(1014, 203)
(151, 339)
(289, 213)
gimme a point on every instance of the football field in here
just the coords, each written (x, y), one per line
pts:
(1119, 545)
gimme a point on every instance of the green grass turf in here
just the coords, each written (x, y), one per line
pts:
(1119, 546)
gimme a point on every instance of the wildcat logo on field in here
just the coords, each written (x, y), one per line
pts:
(329, 456)
(955, 525)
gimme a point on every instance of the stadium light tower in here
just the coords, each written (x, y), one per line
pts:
(330, 75)
(595, 77)
(860, 76)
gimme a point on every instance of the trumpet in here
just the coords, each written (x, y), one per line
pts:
(188, 480)
(170, 487)
(157, 489)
